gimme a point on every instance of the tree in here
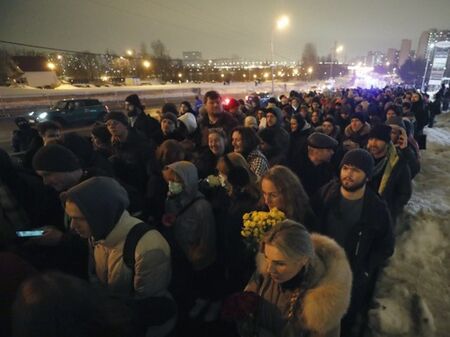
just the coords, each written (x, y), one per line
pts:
(411, 72)
(161, 60)
(309, 56)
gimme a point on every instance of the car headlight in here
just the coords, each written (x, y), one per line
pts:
(31, 113)
(43, 115)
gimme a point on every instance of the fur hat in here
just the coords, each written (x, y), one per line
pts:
(118, 117)
(361, 159)
(381, 132)
(55, 158)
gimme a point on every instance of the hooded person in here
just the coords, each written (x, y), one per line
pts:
(356, 133)
(97, 207)
(138, 120)
(190, 221)
(23, 137)
(300, 130)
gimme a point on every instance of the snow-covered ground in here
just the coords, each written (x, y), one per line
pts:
(414, 289)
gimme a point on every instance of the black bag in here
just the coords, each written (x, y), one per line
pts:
(152, 310)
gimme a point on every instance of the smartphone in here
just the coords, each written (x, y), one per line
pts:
(30, 234)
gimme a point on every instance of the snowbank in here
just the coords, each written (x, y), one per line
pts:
(414, 290)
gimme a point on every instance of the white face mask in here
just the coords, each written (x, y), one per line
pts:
(222, 180)
(175, 187)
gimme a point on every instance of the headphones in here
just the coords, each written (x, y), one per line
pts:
(237, 175)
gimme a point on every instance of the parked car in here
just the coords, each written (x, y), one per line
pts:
(262, 96)
(71, 111)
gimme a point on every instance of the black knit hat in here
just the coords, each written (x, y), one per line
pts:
(359, 116)
(381, 132)
(170, 116)
(55, 158)
(361, 159)
(117, 116)
(134, 100)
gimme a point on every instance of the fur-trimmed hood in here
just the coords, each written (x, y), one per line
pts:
(329, 283)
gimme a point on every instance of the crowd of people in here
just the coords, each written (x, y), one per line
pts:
(142, 221)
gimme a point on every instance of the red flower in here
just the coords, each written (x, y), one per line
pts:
(240, 306)
(168, 219)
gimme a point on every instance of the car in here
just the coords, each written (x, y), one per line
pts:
(262, 96)
(71, 111)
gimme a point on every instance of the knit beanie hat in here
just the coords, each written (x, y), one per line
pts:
(134, 100)
(359, 158)
(170, 116)
(359, 116)
(55, 158)
(117, 116)
(381, 132)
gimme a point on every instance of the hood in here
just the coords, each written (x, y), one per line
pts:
(189, 120)
(188, 174)
(279, 114)
(102, 201)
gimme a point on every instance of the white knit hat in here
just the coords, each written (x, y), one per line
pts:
(188, 119)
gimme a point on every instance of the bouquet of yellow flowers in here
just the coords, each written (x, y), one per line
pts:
(257, 223)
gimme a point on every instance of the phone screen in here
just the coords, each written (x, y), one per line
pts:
(29, 234)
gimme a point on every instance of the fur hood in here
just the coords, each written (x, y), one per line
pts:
(329, 281)
(364, 131)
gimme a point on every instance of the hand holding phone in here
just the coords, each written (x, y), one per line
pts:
(30, 234)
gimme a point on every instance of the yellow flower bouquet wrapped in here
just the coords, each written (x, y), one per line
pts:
(257, 223)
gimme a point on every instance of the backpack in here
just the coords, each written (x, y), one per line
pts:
(152, 310)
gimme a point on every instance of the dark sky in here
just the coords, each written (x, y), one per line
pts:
(221, 28)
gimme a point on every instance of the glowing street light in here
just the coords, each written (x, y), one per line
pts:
(180, 75)
(51, 66)
(335, 50)
(146, 64)
(59, 57)
(310, 70)
(281, 23)
(129, 52)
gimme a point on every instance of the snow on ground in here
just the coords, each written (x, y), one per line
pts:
(414, 289)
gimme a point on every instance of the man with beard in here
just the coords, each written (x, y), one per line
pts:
(360, 222)
(391, 176)
(139, 121)
(216, 117)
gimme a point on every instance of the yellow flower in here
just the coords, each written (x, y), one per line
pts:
(246, 216)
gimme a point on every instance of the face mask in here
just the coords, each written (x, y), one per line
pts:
(175, 187)
(222, 180)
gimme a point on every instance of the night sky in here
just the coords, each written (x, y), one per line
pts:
(221, 28)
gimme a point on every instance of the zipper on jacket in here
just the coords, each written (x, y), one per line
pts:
(357, 245)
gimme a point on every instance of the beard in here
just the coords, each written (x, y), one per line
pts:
(354, 186)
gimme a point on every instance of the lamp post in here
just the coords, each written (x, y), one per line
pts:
(335, 50)
(281, 23)
(429, 49)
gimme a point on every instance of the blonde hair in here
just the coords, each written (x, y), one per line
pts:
(291, 238)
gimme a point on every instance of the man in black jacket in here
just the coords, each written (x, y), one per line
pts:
(139, 121)
(313, 166)
(391, 176)
(353, 215)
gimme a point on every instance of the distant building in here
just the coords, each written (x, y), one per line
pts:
(375, 58)
(423, 44)
(192, 57)
(405, 51)
(437, 55)
(392, 56)
(36, 71)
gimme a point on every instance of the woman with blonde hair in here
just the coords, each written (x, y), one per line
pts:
(304, 282)
(282, 189)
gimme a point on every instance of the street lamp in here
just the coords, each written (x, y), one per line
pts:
(51, 66)
(429, 50)
(281, 23)
(146, 64)
(129, 52)
(336, 50)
